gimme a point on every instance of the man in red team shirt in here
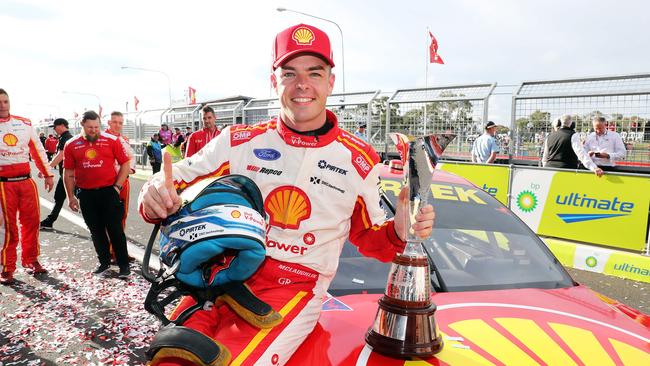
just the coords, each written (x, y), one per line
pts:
(88, 164)
(201, 138)
(50, 146)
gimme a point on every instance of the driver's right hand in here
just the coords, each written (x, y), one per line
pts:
(159, 198)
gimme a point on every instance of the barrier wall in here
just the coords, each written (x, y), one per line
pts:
(576, 205)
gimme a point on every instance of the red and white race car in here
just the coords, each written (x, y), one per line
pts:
(502, 297)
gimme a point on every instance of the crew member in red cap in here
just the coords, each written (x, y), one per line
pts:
(200, 138)
(319, 185)
(88, 164)
(19, 196)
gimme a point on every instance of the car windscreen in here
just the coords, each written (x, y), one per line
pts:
(478, 244)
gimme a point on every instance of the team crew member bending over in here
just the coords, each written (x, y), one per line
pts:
(19, 196)
(89, 165)
(309, 223)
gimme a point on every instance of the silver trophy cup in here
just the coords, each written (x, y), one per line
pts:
(405, 325)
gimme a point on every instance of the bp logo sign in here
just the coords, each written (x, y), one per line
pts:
(526, 201)
(591, 261)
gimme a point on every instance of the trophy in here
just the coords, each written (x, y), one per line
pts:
(405, 325)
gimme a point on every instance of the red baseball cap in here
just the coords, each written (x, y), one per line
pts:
(301, 38)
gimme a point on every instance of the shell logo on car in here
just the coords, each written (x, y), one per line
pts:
(10, 139)
(524, 335)
(287, 207)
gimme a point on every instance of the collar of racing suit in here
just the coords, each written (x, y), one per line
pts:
(315, 138)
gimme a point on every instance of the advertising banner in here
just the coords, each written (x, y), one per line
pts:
(493, 179)
(611, 210)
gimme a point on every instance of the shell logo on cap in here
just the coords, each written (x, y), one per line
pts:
(303, 36)
(91, 154)
(235, 214)
(10, 139)
(287, 207)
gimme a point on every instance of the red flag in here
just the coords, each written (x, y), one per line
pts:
(192, 95)
(434, 57)
(136, 102)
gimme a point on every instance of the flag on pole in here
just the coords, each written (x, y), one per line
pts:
(434, 57)
(136, 101)
(192, 95)
(76, 115)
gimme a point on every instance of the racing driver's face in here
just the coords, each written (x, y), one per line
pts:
(303, 84)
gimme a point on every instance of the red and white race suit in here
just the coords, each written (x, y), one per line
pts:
(318, 191)
(18, 192)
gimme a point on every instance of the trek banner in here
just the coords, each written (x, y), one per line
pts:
(611, 210)
(493, 179)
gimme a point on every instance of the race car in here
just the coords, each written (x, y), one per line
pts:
(502, 297)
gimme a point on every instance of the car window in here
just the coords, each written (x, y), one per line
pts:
(478, 244)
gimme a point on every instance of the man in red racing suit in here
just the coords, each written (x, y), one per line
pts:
(320, 186)
(19, 196)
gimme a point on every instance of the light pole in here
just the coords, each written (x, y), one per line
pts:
(281, 9)
(169, 83)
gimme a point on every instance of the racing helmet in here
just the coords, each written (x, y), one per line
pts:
(218, 214)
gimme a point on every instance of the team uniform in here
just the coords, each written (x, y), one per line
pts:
(101, 208)
(198, 139)
(18, 192)
(50, 147)
(125, 193)
(318, 191)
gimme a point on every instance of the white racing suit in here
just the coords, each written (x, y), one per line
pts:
(317, 191)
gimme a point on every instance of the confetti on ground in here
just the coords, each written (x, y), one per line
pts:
(71, 317)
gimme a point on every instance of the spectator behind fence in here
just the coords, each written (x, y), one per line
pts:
(177, 138)
(361, 132)
(603, 146)
(19, 203)
(50, 146)
(89, 165)
(201, 137)
(154, 151)
(165, 134)
(562, 148)
(61, 129)
(485, 147)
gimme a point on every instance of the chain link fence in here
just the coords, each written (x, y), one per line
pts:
(623, 100)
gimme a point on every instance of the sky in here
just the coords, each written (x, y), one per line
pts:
(61, 57)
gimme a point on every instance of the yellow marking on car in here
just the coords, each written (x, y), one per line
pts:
(491, 340)
(453, 355)
(583, 343)
(630, 355)
(536, 339)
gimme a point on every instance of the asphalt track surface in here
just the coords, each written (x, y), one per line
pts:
(70, 317)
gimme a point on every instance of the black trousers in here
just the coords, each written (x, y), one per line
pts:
(102, 211)
(155, 167)
(59, 200)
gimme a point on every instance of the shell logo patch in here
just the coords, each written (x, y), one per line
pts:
(303, 36)
(287, 207)
(10, 139)
(235, 214)
(90, 154)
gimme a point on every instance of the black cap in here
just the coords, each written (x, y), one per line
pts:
(490, 124)
(60, 121)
